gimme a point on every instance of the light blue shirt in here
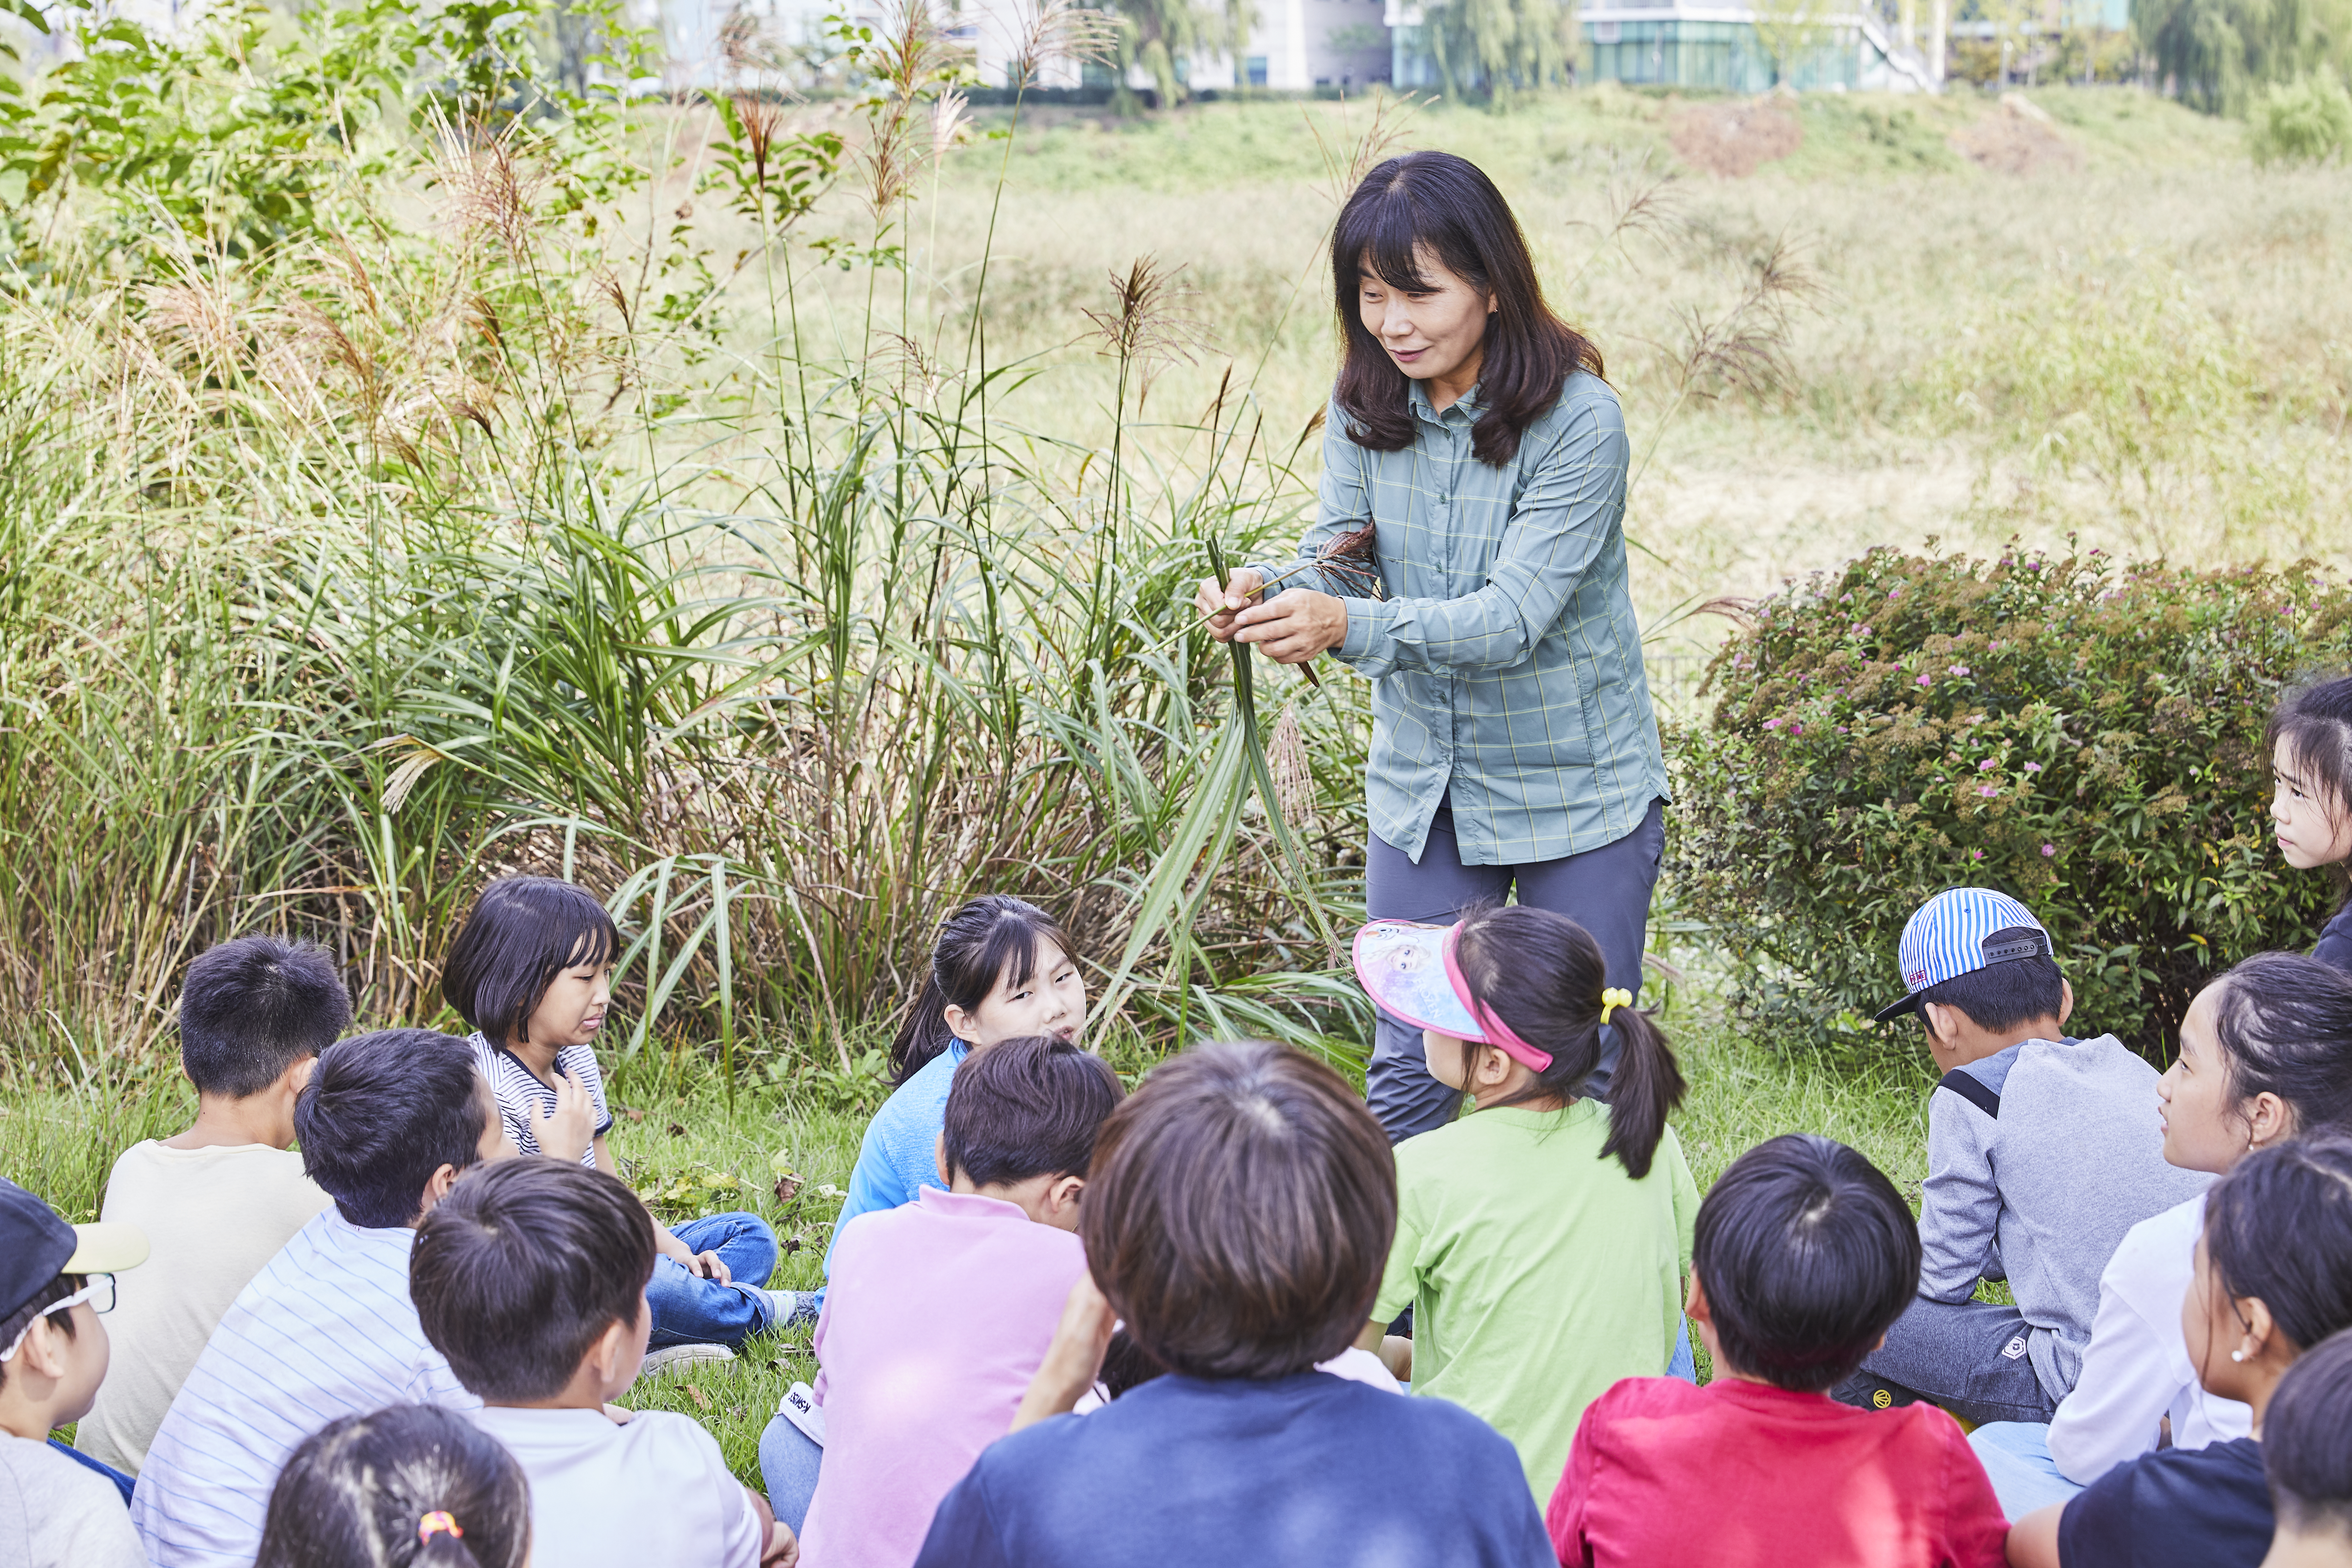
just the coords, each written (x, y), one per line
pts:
(1504, 659)
(326, 1329)
(899, 1155)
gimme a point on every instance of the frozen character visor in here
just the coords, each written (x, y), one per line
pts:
(1410, 970)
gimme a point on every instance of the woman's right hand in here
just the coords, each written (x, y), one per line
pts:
(1219, 606)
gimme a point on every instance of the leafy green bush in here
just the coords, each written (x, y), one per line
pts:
(2305, 121)
(2082, 733)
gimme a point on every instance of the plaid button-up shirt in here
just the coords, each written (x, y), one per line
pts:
(1505, 663)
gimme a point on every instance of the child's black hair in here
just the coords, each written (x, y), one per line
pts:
(381, 1113)
(2284, 1022)
(2278, 1229)
(2000, 996)
(993, 936)
(43, 1304)
(2315, 720)
(1026, 1107)
(367, 1491)
(1542, 973)
(1807, 1254)
(252, 1007)
(523, 933)
(2307, 1439)
(522, 1267)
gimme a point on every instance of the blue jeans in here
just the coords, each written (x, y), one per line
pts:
(788, 1463)
(1683, 1363)
(2016, 1459)
(690, 1309)
(1605, 891)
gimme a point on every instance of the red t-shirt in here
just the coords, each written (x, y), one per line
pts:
(1739, 1473)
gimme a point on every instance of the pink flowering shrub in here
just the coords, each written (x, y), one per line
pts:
(2081, 733)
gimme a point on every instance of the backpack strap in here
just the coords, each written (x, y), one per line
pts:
(1973, 1089)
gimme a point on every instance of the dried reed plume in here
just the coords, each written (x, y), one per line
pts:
(1151, 325)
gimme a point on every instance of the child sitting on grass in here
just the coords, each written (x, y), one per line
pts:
(220, 1200)
(1804, 1254)
(532, 972)
(2266, 1054)
(1541, 1238)
(2307, 1455)
(57, 1509)
(940, 1313)
(1001, 970)
(2042, 1153)
(2273, 1274)
(2310, 742)
(1240, 1208)
(530, 1278)
(414, 1485)
(326, 1329)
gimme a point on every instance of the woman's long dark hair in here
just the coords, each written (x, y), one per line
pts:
(1542, 975)
(360, 1492)
(988, 937)
(1449, 206)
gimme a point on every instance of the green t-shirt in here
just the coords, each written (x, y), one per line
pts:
(1538, 1273)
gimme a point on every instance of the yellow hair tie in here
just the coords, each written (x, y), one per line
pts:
(1613, 998)
(438, 1522)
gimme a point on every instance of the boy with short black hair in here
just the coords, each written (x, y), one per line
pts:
(220, 1199)
(530, 1278)
(940, 1311)
(1803, 1254)
(2042, 1151)
(326, 1329)
(57, 1509)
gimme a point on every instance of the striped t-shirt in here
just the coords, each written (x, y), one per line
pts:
(522, 1095)
(326, 1329)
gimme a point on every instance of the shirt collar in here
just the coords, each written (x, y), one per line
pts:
(1464, 410)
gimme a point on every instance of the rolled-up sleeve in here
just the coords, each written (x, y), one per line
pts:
(1562, 520)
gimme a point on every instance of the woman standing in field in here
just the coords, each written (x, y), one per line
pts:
(1469, 557)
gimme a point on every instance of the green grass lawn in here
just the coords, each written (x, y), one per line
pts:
(677, 1133)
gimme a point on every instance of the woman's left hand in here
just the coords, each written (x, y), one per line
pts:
(1295, 627)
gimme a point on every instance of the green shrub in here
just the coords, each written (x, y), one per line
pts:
(2305, 121)
(2082, 733)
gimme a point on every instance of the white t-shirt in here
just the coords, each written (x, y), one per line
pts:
(213, 1217)
(2136, 1370)
(55, 1514)
(654, 1493)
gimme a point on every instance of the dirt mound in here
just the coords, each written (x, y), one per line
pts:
(1734, 139)
(2018, 138)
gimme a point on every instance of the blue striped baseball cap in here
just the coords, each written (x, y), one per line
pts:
(1960, 931)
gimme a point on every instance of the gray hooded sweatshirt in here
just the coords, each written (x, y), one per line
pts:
(2039, 1158)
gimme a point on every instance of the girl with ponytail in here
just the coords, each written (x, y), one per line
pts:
(1542, 1238)
(413, 1486)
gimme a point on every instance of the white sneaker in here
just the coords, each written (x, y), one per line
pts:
(671, 1358)
(787, 1307)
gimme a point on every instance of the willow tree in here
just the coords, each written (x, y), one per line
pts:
(1499, 47)
(2218, 52)
(1156, 33)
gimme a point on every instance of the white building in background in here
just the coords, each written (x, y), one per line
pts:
(1294, 45)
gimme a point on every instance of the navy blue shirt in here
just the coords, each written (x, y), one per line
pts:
(1300, 1471)
(2335, 946)
(2192, 1508)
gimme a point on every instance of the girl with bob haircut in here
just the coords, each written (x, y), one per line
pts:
(531, 971)
(2272, 1279)
(2310, 742)
(413, 1486)
(1469, 558)
(2266, 1055)
(1240, 1208)
(1541, 1239)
